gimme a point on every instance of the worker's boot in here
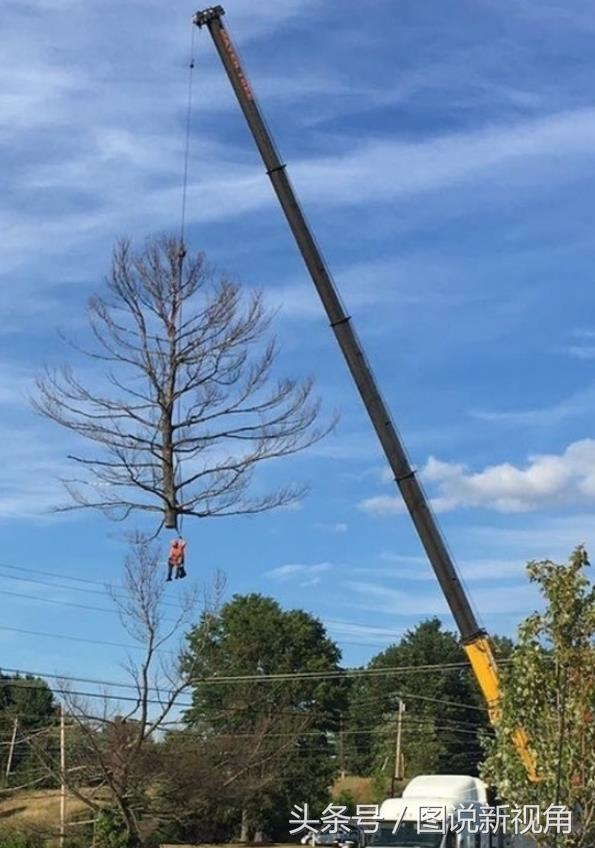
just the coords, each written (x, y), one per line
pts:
(169, 571)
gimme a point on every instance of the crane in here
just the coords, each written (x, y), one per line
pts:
(474, 638)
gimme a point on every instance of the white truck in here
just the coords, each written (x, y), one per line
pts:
(420, 817)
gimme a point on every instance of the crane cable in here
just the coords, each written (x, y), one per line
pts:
(191, 64)
(179, 518)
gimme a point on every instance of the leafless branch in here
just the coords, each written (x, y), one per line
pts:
(190, 404)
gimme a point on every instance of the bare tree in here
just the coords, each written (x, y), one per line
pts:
(127, 751)
(113, 751)
(191, 404)
(216, 771)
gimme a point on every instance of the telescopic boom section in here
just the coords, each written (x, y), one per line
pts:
(473, 637)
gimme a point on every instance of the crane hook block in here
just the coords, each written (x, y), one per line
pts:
(208, 15)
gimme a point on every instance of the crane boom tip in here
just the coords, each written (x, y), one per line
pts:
(208, 15)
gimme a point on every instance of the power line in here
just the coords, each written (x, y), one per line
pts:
(380, 699)
(12, 567)
(68, 638)
(102, 695)
(71, 638)
(70, 604)
(373, 730)
(88, 607)
(332, 622)
(103, 591)
(70, 678)
(59, 603)
(39, 582)
(331, 674)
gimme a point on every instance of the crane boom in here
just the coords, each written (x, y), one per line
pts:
(474, 639)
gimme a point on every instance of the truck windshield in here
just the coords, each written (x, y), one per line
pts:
(405, 837)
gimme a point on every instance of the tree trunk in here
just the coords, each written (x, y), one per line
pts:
(168, 471)
(134, 838)
(244, 828)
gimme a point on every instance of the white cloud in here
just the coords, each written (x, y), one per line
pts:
(337, 527)
(408, 559)
(307, 575)
(546, 481)
(383, 505)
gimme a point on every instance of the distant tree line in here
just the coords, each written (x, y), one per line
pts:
(270, 721)
(232, 764)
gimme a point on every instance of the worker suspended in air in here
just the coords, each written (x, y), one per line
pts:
(176, 559)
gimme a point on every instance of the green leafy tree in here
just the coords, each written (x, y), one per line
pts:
(27, 707)
(549, 691)
(280, 731)
(444, 710)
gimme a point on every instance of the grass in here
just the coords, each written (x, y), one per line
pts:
(39, 809)
(360, 789)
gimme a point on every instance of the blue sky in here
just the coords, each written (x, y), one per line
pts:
(444, 155)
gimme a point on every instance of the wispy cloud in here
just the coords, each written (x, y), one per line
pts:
(537, 537)
(382, 505)
(364, 633)
(305, 575)
(404, 280)
(332, 527)
(579, 403)
(581, 351)
(450, 160)
(547, 481)
(418, 569)
(518, 598)
(584, 346)
(120, 156)
(31, 464)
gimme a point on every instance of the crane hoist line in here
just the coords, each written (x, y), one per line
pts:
(473, 637)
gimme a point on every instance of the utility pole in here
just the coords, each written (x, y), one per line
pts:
(341, 748)
(398, 771)
(13, 740)
(62, 775)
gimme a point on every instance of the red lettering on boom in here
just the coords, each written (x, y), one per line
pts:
(236, 64)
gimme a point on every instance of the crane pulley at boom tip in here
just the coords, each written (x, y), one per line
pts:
(473, 636)
(202, 18)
